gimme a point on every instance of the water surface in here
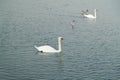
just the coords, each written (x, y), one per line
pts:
(91, 49)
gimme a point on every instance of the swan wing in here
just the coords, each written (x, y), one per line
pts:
(89, 16)
(46, 48)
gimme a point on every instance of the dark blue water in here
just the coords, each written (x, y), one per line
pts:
(90, 50)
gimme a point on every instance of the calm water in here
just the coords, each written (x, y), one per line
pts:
(91, 50)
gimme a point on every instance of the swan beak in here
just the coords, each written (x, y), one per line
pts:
(62, 39)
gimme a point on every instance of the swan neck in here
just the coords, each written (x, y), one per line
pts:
(95, 13)
(59, 45)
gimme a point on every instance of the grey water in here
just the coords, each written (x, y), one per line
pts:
(90, 50)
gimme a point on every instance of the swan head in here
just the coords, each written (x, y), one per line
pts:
(95, 9)
(60, 38)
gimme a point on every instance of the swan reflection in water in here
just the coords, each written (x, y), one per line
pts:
(59, 55)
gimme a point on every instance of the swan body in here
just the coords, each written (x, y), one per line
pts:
(46, 49)
(90, 15)
(72, 23)
(49, 49)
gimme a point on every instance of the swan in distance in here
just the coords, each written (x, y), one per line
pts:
(72, 23)
(90, 15)
(49, 49)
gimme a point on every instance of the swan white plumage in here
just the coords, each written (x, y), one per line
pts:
(49, 49)
(90, 15)
(72, 23)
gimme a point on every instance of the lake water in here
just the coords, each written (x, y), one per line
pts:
(90, 50)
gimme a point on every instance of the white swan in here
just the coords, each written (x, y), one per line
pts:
(72, 23)
(90, 15)
(49, 49)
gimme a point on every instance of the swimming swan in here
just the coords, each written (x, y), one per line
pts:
(72, 23)
(90, 15)
(49, 49)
